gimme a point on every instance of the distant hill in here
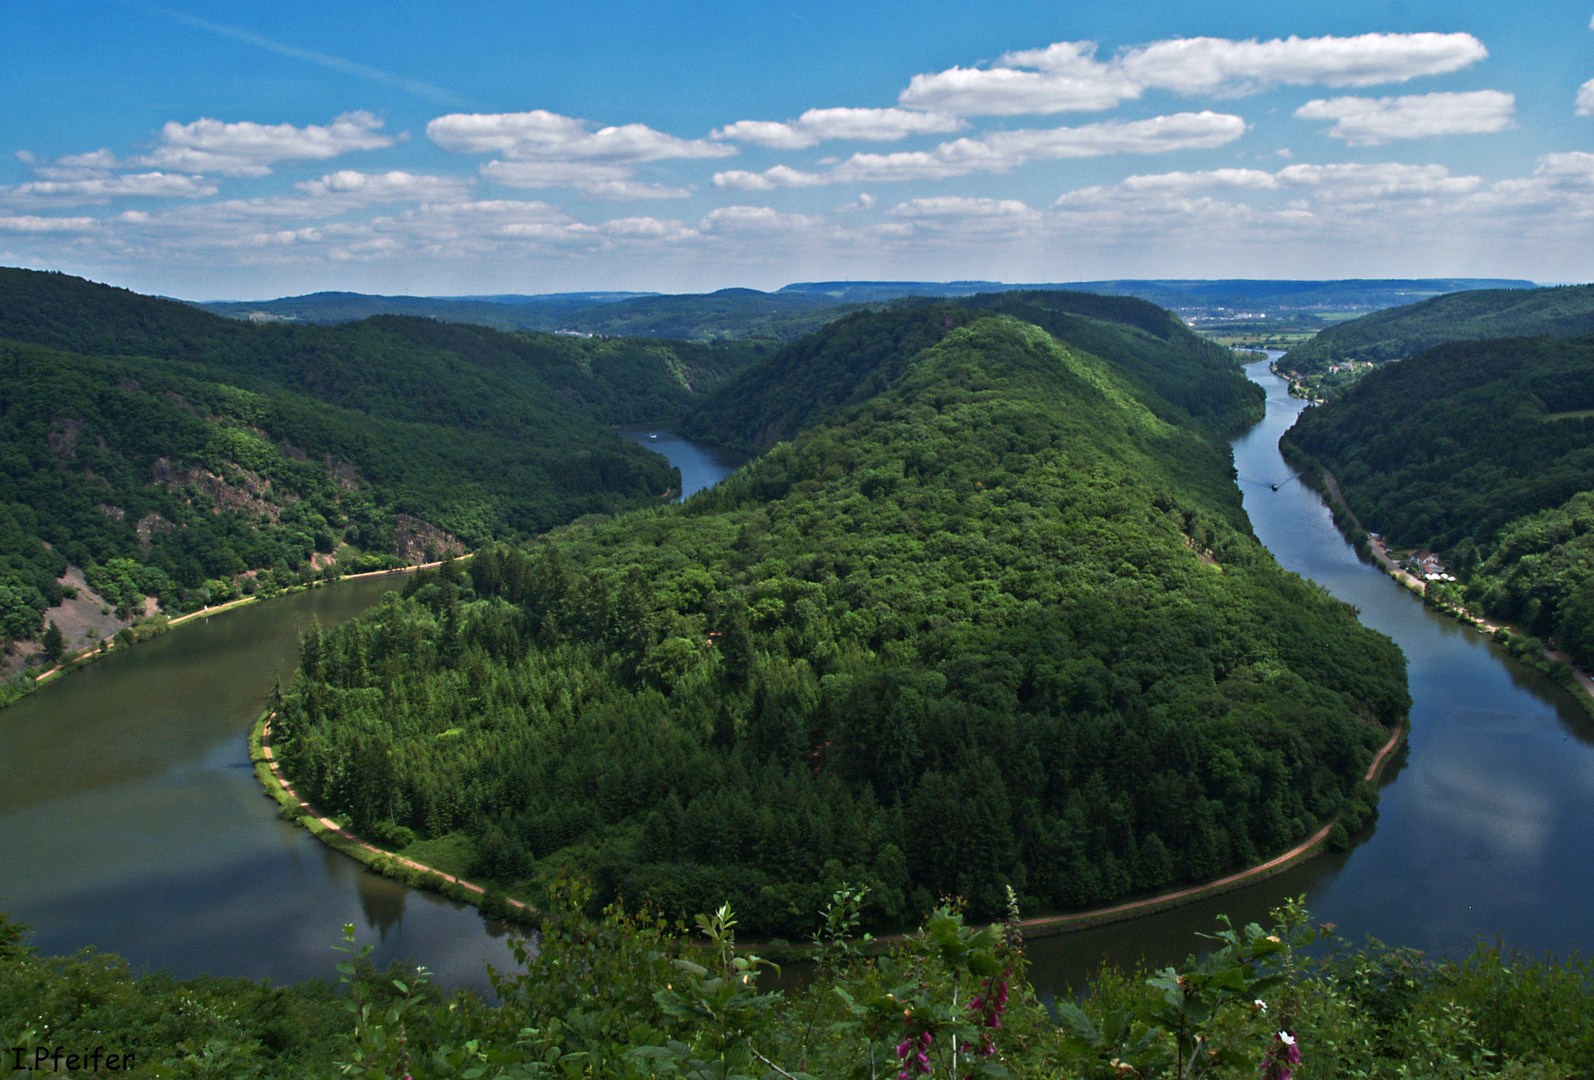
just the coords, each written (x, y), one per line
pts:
(1563, 311)
(804, 307)
(726, 314)
(851, 360)
(1212, 299)
(503, 312)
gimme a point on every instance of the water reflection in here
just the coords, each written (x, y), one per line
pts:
(131, 819)
(382, 900)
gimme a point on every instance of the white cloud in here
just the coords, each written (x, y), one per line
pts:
(648, 228)
(596, 180)
(544, 136)
(541, 149)
(1387, 180)
(1219, 65)
(371, 189)
(961, 206)
(628, 190)
(756, 219)
(1585, 99)
(1372, 121)
(1562, 183)
(29, 223)
(1003, 151)
(1067, 77)
(102, 189)
(249, 149)
(819, 125)
(780, 176)
(1253, 179)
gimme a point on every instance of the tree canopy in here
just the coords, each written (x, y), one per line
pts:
(998, 624)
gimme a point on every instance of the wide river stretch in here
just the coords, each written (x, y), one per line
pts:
(130, 818)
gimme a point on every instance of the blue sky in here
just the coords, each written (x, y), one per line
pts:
(232, 150)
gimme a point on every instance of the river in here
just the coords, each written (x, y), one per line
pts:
(131, 820)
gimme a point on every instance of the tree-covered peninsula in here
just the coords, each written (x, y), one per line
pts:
(179, 456)
(1482, 452)
(996, 624)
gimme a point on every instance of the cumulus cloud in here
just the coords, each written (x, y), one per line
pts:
(756, 219)
(541, 149)
(1219, 65)
(648, 228)
(250, 149)
(29, 223)
(544, 136)
(1254, 179)
(594, 179)
(1585, 99)
(1067, 76)
(627, 190)
(372, 189)
(780, 176)
(1372, 121)
(98, 189)
(961, 206)
(819, 125)
(1353, 181)
(1386, 180)
(1003, 151)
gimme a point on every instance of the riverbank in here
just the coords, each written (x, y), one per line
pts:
(418, 875)
(1556, 665)
(161, 624)
(390, 864)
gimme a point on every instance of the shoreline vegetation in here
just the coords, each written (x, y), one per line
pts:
(160, 624)
(493, 904)
(1549, 661)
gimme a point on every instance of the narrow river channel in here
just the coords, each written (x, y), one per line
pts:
(130, 819)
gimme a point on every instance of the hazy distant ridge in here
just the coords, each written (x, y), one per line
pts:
(803, 307)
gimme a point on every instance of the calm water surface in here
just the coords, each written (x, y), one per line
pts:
(701, 466)
(130, 818)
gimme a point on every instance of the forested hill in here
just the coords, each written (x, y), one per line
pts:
(1484, 452)
(178, 455)
(854, 358)
(404, 367)
(976, 630)
(1563, 311)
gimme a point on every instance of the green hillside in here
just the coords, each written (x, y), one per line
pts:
(1181, 375)
(1564, 311)
(185, 450)
(723, 315)
(546, 312)
(997, 624)
(1484, 452)
(727, 315)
